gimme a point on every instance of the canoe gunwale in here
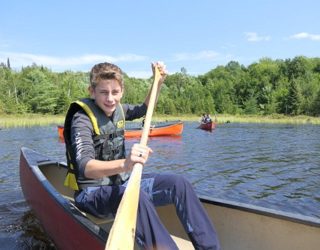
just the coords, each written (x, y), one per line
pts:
(298, 218)
(166, 125)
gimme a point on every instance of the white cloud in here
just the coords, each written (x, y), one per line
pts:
(202, 55)
(305, 35)
(140, 74)
(253, 37)
(26, 59)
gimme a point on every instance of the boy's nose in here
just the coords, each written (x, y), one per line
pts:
(109, 97)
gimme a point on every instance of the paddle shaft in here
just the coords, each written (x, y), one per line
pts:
(122, 234)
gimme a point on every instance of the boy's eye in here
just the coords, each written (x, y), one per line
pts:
(114, 92)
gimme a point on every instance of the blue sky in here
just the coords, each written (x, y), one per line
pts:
(197, 35)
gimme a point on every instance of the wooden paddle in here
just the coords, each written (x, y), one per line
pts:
(122, 234)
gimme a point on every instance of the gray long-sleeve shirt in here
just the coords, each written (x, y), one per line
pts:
(82, 133)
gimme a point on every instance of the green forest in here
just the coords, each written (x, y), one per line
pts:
(289, 87)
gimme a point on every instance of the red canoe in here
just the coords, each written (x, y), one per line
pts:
(239, 226)
(208, 126)
(60, 132)
(172, 129)
(159, 130)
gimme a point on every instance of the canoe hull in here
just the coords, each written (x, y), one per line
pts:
(239, 226)
(174, 129)
(208, 126)
(60, 132)
(165, 130)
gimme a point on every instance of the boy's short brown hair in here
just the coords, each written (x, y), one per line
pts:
(103, 71)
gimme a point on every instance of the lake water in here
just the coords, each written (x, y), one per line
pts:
(273, 166)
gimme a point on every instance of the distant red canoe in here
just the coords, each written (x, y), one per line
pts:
(60, 132)
(207, 126)
(159, 130)
(172, 129)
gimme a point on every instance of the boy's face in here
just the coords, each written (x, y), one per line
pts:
(107, 95)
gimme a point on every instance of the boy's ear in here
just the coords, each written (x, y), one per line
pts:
(91, 91)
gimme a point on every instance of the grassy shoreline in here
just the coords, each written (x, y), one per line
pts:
(28, 120)
(224, 118)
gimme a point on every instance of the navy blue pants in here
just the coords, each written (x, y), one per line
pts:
(156, 190)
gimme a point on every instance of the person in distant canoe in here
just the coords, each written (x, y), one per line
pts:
(142, 123)
(208, 118)
(99, 167)
(205, 118)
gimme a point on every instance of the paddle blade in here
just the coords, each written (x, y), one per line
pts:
(122, 234)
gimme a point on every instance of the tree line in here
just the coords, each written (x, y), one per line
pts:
(290, 87)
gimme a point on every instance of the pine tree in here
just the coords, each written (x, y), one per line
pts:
(293, 99)
(8, 63)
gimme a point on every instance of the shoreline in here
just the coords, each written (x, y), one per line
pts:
(28, 120)
(224, 118)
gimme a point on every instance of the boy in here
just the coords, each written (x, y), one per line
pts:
(99, 166)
